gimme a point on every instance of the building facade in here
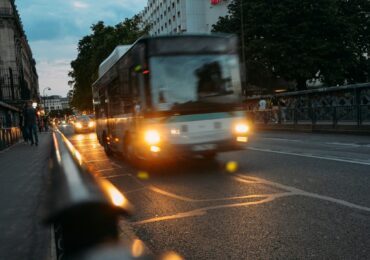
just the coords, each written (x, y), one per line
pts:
(183, 16)
(55, 103)
(18, 76)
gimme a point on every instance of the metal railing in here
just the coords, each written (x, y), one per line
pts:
(9, 136)
(84, 209)
(335, 116)
(331, 107)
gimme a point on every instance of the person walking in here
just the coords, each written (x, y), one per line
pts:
(22, 124)
(46, 122)
(30, 118)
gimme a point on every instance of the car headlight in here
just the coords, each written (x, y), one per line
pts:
(241, 128)
(78, 125)
(91, 124)
(152, 137)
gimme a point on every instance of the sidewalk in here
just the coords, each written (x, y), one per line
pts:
(23, 185)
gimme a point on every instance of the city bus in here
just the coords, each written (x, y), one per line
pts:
(171, 96)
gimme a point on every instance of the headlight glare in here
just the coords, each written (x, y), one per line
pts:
(241, 128)
(152, 137)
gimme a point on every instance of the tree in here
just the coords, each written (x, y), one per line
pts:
(92, 50)
(304, 40)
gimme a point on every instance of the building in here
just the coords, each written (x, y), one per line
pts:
(18, 76)
(180, 16)
(55, 103)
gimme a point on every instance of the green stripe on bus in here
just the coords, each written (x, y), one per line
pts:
(198, 117)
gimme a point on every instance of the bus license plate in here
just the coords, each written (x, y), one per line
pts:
(204, 147)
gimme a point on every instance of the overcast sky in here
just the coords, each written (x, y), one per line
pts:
(54, 27)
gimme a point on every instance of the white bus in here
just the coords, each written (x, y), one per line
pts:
(169, 96)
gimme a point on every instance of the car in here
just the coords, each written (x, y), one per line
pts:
(84, 124)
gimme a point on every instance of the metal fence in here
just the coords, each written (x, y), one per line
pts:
(335, 107)
(10, 132)
(9, 136)
(334, 116)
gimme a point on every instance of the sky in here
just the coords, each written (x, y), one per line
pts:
(54, 27)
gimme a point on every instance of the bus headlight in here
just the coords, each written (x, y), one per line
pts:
(91, 124)
(152, 137)
(78, 125)
(241, 128)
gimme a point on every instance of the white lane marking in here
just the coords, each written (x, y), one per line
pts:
(289, 191)
(309, 156)
(348, 144)
(183, 198)
(116, 176)
(295, 191)
(171, 195)
(116, 165)
(107, 170)
(204, 210)
(282, 139)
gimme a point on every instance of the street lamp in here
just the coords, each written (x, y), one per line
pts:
(43, 94)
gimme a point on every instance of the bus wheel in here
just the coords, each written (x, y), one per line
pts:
(107, 149)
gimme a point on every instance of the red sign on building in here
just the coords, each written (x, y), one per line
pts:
(215, 2)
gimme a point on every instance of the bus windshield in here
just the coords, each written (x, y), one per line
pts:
(188, 81)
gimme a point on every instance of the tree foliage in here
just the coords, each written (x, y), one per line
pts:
(303, 40)
(92, 50)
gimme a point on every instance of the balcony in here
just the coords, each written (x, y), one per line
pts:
(6, 12)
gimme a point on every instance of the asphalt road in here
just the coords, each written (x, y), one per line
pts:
(293, 196)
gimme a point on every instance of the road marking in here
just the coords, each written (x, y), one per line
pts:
(295, 191)
(171, 195)
(349, 144)
(282, 139)
(309, 156)
(183, 198)
(289, 191)
(116, 176)
(117, 165)
(204, 210)
(107, 170)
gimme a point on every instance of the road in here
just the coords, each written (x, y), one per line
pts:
(293, 196)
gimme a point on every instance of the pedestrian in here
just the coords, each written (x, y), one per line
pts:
(31, 123)
(22, 124)
(282, 105)
(46, 122)
(275, 109)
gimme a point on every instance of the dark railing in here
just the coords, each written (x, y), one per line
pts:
(83, 209)
(355, 116)
(335, 107)
(9, 136)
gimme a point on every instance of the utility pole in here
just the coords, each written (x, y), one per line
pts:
(244, 66)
